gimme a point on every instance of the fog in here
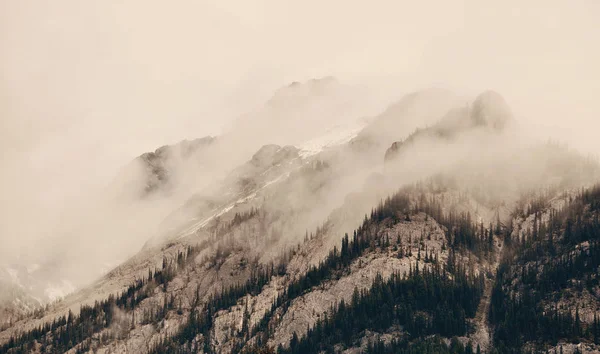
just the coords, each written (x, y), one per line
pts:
(86, 87)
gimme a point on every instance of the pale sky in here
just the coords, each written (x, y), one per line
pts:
(135, 67)
(85, 86)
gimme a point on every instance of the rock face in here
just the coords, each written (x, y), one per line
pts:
(270, 155)
(307, 309)
(159, 165)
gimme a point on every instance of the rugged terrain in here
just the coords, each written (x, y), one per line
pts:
(457, 237)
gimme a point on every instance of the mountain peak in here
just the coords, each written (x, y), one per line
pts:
(315, 86)
(411, 111)
(488, 110)
(491, 110)
(322, 81)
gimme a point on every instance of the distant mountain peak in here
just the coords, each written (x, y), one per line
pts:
(152, 170)
(316, 86)
(411, 111)
(491, 110)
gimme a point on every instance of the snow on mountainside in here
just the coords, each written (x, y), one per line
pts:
(277, 170)
(335, 136)
(295, 114)
(165, 167)
(157, 182)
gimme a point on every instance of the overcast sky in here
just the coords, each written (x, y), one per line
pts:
(87, 85)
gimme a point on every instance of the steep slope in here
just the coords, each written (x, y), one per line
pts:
(272, 303)
(260, 260)
(547, 294)
(295, 114)
(156, 183)
(275, 180)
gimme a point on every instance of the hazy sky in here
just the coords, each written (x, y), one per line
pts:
(87, 85)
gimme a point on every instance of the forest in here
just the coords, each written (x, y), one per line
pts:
(435, 300)
(557, 259)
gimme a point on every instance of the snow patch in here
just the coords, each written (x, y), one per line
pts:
(337, 135)
(197, 226)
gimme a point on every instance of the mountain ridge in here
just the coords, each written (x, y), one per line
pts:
(240, 278)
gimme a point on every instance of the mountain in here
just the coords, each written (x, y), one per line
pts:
(294, 115)
(462, 238)
(156, 185)
(489, 112)
(414, 110)
(161, 163)
(546, 293)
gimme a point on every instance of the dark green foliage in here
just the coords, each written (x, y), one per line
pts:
(548, 263)
(423, 302)
(200, 320)
(433, 345)
(420, 346)
(445, 318)
(461, 231)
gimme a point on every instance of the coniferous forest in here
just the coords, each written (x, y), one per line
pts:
(557, 258)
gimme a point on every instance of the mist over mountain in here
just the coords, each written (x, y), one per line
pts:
(246, 257)
(299, 177)
(157, 183)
